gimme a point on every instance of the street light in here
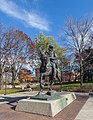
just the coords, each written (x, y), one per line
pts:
(6, 71)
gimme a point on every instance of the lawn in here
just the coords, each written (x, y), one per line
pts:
(11, 90)
(87, 87)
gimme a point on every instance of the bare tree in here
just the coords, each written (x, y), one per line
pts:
(4, 51)
(22, 51)
(16, 48)
(78, 38)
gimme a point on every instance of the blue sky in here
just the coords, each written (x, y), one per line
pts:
(47, 16)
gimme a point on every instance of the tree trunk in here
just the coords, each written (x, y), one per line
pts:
(13, 77)
(0, 80)
(81, 72)
(0, 77)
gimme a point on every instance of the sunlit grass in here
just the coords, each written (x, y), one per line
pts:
(11, 90)
(65, 86)
(68, 86)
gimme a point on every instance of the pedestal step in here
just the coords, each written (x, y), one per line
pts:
(43, 107)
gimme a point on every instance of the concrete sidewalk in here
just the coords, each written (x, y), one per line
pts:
(16, 96)
(69, 113)
(86, 113)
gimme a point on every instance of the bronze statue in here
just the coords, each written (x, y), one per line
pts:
(53, 59)
(49, 68)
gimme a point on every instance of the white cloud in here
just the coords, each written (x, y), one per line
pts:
(31, 19)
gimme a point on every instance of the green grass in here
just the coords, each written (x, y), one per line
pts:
(11, 90)
(68, 86)
(56, 86)
(76, 87)
(88, 84)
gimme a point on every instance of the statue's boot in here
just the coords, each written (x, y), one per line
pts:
(40, 92)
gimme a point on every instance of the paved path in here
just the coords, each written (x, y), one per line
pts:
(80, 109)
(86, 113)
(15, 97)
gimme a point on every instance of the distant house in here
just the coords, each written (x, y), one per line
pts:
(7, 76)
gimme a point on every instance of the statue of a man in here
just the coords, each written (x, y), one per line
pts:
(53, 58)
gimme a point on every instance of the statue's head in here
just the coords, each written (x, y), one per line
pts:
(50, 47)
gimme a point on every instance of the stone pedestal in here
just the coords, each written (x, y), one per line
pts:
(46, 107)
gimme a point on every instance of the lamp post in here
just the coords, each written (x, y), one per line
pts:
(6, 72)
